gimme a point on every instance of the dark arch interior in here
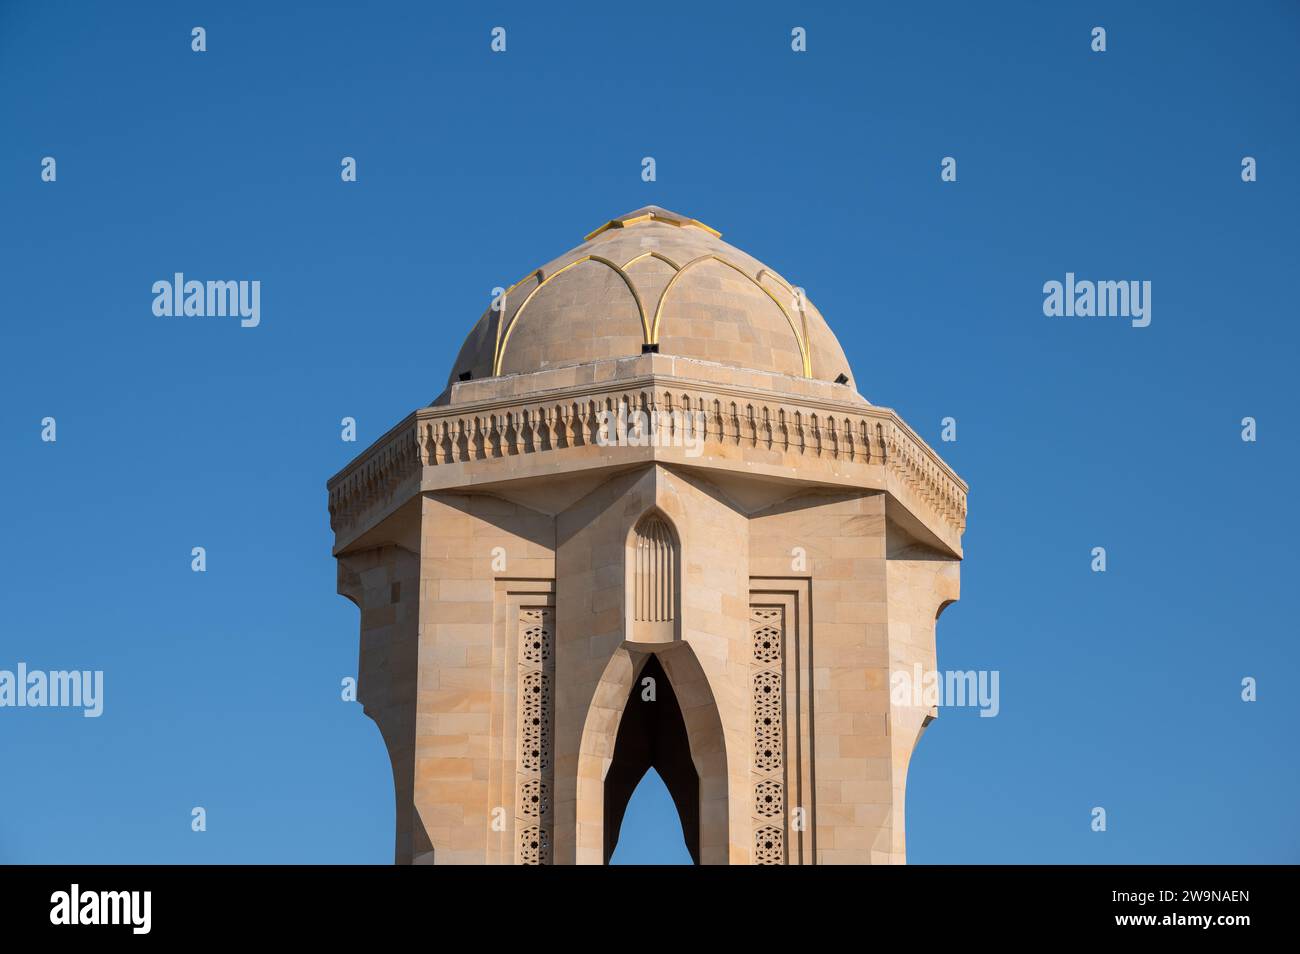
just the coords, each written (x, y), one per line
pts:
(653, 735)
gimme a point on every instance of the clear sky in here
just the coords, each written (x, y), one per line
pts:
(1119, 690)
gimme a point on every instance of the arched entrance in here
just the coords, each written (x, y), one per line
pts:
(679, 735)
(652, 735)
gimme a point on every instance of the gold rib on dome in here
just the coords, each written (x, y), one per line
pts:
(653, 213)
(795, 329)
(503, 338)
(651, 322)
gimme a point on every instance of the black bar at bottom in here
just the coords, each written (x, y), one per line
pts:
(368, 904)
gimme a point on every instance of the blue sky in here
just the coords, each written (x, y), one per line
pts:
(1119, 690)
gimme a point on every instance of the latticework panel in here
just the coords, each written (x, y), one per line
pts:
(769, 846)
(767, 631)
(768, 799)
(535, 798)
(535, 717)
(534, 846)
(767, 722)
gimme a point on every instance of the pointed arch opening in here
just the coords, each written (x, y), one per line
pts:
(683, 741)
(652, 831)
(652, 735)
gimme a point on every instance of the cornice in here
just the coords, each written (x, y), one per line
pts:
(743, 430)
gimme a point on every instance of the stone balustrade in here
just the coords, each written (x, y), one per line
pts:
(848, 434)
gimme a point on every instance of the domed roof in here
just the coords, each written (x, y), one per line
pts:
(652, 280)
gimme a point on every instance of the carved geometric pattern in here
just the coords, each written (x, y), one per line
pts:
(534, 846)
(448, 435)
(767, 798)
(533, 756)
(767, 638)
(767, 632)
(536, 697)
(535, 798)
(535, 641)
(768, 722)
(535, 714)
(769, 846)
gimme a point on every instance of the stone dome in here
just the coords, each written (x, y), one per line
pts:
(653, 280)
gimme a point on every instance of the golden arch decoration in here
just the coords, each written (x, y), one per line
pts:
(794, 328)
(649, 330)
(659, 255)
(504, 339)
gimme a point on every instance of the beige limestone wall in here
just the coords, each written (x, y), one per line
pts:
(715, 626)
(591, 537)
(842, 537)
(384, 582)
(920, 584)
(461, 667)
(592, 624)
(439, 655)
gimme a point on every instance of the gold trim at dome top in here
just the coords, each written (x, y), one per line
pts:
(652, 213)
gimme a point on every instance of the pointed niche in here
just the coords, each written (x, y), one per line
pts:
(654, 581)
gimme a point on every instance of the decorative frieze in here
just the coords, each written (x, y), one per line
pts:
(719, 419)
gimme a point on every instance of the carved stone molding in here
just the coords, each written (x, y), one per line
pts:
(846, 444)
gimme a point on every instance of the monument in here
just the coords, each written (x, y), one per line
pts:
(650, 522)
